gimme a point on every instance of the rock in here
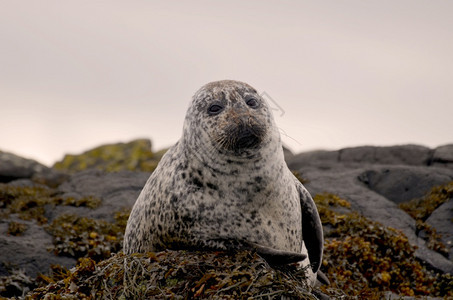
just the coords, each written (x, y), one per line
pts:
(13, 167)
(395, 155)
(403, 183)
(343, 180)
(29, 250)
(319, 158)
(133, 156)
(442, 220)
(443, 156)
(372, 179)
(116, 190)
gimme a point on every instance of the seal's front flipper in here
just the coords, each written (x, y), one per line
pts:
(311, 228)
(274, 256)
(322, 278)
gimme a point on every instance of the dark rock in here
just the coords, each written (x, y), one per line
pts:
(344, 181)
(443, 156)
(29, 250)
(319, 158)
(395, 155)
(372, 179)
(442, 220)
(13, 167)
(117, 190)
(403, 183)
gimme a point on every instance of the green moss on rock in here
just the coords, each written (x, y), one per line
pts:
(132, 156)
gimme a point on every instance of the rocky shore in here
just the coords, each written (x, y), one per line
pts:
(387, 214)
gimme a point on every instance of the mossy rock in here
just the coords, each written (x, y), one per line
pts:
(178, 275)
(364, 258)
(422, 208)
(30, 202)
(133, 156)
(79, 237)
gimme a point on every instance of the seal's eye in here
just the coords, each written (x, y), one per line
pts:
(252, 103)
(214, 109)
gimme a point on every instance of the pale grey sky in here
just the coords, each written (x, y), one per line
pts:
(77, 74)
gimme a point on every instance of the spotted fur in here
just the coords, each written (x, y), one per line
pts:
(225, 183)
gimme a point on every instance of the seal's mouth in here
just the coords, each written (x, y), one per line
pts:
(240, 137)
(246, 139)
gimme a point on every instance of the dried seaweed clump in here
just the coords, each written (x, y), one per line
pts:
(178, 275)
(17, 283)
(77, 236)
(364, 258)
(16, 228)
(28, 202)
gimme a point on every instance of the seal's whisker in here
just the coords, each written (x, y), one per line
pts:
(285, 134)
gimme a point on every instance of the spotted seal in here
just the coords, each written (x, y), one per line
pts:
(225, 185)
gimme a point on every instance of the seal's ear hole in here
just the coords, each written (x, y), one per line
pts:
(215, 109)
(252, 102)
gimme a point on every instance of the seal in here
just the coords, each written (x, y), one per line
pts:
(225, 185)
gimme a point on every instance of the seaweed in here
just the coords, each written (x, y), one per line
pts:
(179, 275)
(16, 228)
(422, 208)
(365, 258)
(76, 236)
(30, 202)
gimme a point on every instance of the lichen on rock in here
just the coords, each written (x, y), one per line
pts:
(133, 156)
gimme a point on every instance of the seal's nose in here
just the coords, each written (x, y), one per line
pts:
(246, 138)
(244, 131)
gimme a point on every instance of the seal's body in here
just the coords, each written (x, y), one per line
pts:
(225, 184)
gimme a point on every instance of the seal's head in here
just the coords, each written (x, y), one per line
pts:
(229, 118)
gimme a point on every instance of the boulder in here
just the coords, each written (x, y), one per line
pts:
(372, 179)
(443, 156)
(132, 156)
(13, 167)
(319, 158)
(403, 183)
(117, 190)
(442, 220)
(28, 251)
(395, 155)
(351, 181)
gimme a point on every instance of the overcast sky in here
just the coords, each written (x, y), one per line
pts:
(77, 74)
